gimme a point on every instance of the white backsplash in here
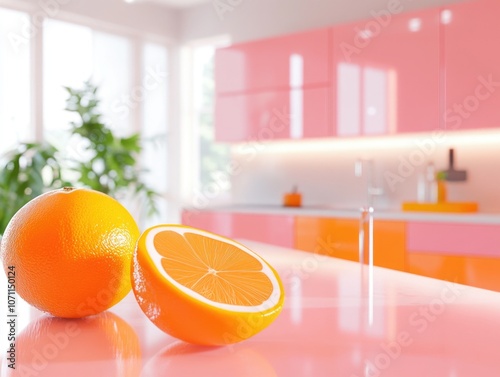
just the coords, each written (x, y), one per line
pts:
(324, 170)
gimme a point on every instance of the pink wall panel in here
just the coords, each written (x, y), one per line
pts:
(454, 239)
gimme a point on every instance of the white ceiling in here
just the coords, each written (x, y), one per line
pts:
(181, 3)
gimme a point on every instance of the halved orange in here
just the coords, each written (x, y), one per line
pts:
(204, 288)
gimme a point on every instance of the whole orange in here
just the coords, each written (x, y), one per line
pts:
(71, 251)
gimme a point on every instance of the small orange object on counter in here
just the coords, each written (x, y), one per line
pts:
(292, 199)
(441, 187)
(452, 207)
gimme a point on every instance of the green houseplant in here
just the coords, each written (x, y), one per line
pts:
(27, 172)
(108, 163)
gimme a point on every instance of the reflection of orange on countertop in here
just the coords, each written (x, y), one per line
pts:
(100, 345)
(292, 199)
(177, 359)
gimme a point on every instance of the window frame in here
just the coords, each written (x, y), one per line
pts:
(138, 40)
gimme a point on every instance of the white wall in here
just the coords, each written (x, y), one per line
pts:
(137, 18)
(254, 19)
(324, 170)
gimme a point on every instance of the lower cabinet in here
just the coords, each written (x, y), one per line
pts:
(271, 229)
(334, 237)
(389, 244)
(478, 272)
(215, 222)
(340, 238)
(463, 253)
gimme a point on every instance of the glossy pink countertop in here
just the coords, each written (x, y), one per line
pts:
(340, 319)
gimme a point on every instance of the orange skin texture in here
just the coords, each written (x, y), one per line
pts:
(186, 318)
(71, 249)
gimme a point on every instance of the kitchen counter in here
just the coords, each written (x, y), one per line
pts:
(340, 319)
(333, 212)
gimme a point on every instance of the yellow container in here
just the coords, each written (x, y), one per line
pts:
(451, 207)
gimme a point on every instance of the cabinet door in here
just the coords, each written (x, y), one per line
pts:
(273, 115)
(472, 59)
(483, 273)
(340, 238)
(389, 244)
(464, 253)
(334, 237)
(474, 271)
(277, 63)
(437, 266)
(481, 240)
(272, 229)
(387, 74)
(215, 222)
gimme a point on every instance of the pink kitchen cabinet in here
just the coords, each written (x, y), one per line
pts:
(387, 74)
(481, 240)
(212, 221)
(472, 62)
(272, 229)
(291, 61)
(463, 253)
(273, 115)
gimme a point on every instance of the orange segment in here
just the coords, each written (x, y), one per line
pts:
(227, 291)
(216, 270)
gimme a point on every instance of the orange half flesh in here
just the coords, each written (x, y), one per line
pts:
(216, 270)
(204, 288)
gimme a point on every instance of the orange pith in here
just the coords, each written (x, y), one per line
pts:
(218, 271)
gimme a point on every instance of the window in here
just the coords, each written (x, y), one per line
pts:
(15, 110)
(153, 91)
(15, 106)
(206, 181)
(72, 55)
(130, 72)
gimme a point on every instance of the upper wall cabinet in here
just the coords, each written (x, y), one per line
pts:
(291, 61)
(387, 73)
(273, 115)
(472, 61)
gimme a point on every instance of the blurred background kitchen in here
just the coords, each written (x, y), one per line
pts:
(154, 68)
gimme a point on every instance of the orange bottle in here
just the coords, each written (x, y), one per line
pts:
(292, 199)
